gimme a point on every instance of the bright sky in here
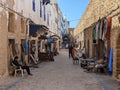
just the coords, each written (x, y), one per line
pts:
(73, 10)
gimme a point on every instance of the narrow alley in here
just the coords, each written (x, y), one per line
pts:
(62, 74)
(37, 38)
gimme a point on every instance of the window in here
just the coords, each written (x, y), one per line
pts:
(40, 9)
(33, 5)
(11, 22)
(45, 2)
(44, 14)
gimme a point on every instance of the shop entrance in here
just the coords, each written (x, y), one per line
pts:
(11, 50)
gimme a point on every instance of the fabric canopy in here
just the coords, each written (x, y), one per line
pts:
(33, 28)
(54, 36)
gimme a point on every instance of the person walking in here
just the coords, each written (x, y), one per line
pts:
(70, 47)
(74, 53)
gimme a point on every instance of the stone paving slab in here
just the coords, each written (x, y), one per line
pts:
(60, 75)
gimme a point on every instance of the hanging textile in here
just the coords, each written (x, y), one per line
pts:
(49, 40)
(104, 29)
(99, 23)
(96, 31)
(26, 46)
(101, 28)
(110, 60)
(94, 34)
(108, 27)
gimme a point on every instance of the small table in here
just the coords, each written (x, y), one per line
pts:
(86, 62)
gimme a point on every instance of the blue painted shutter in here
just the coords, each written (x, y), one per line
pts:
(40, 9)
(33, 5)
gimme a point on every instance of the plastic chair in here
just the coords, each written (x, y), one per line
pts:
(18, 69)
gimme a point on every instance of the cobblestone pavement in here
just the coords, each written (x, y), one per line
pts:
(60, 75)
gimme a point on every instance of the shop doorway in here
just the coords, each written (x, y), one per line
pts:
(11, 50)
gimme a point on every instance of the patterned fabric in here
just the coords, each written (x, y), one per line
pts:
(101, 28)
(99, 23)
(110, 60)
(108, 27)
(104, 29)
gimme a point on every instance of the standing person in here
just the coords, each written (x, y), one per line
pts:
(70, 50)
(16, 63)
(74, 52)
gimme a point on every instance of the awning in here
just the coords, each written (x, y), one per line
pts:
(55, 36)
(33, 28)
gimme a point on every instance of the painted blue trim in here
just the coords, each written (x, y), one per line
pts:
(102, 83)
(40, 9)
(13, 84)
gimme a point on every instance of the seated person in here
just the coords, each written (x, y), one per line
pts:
(16, 63)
